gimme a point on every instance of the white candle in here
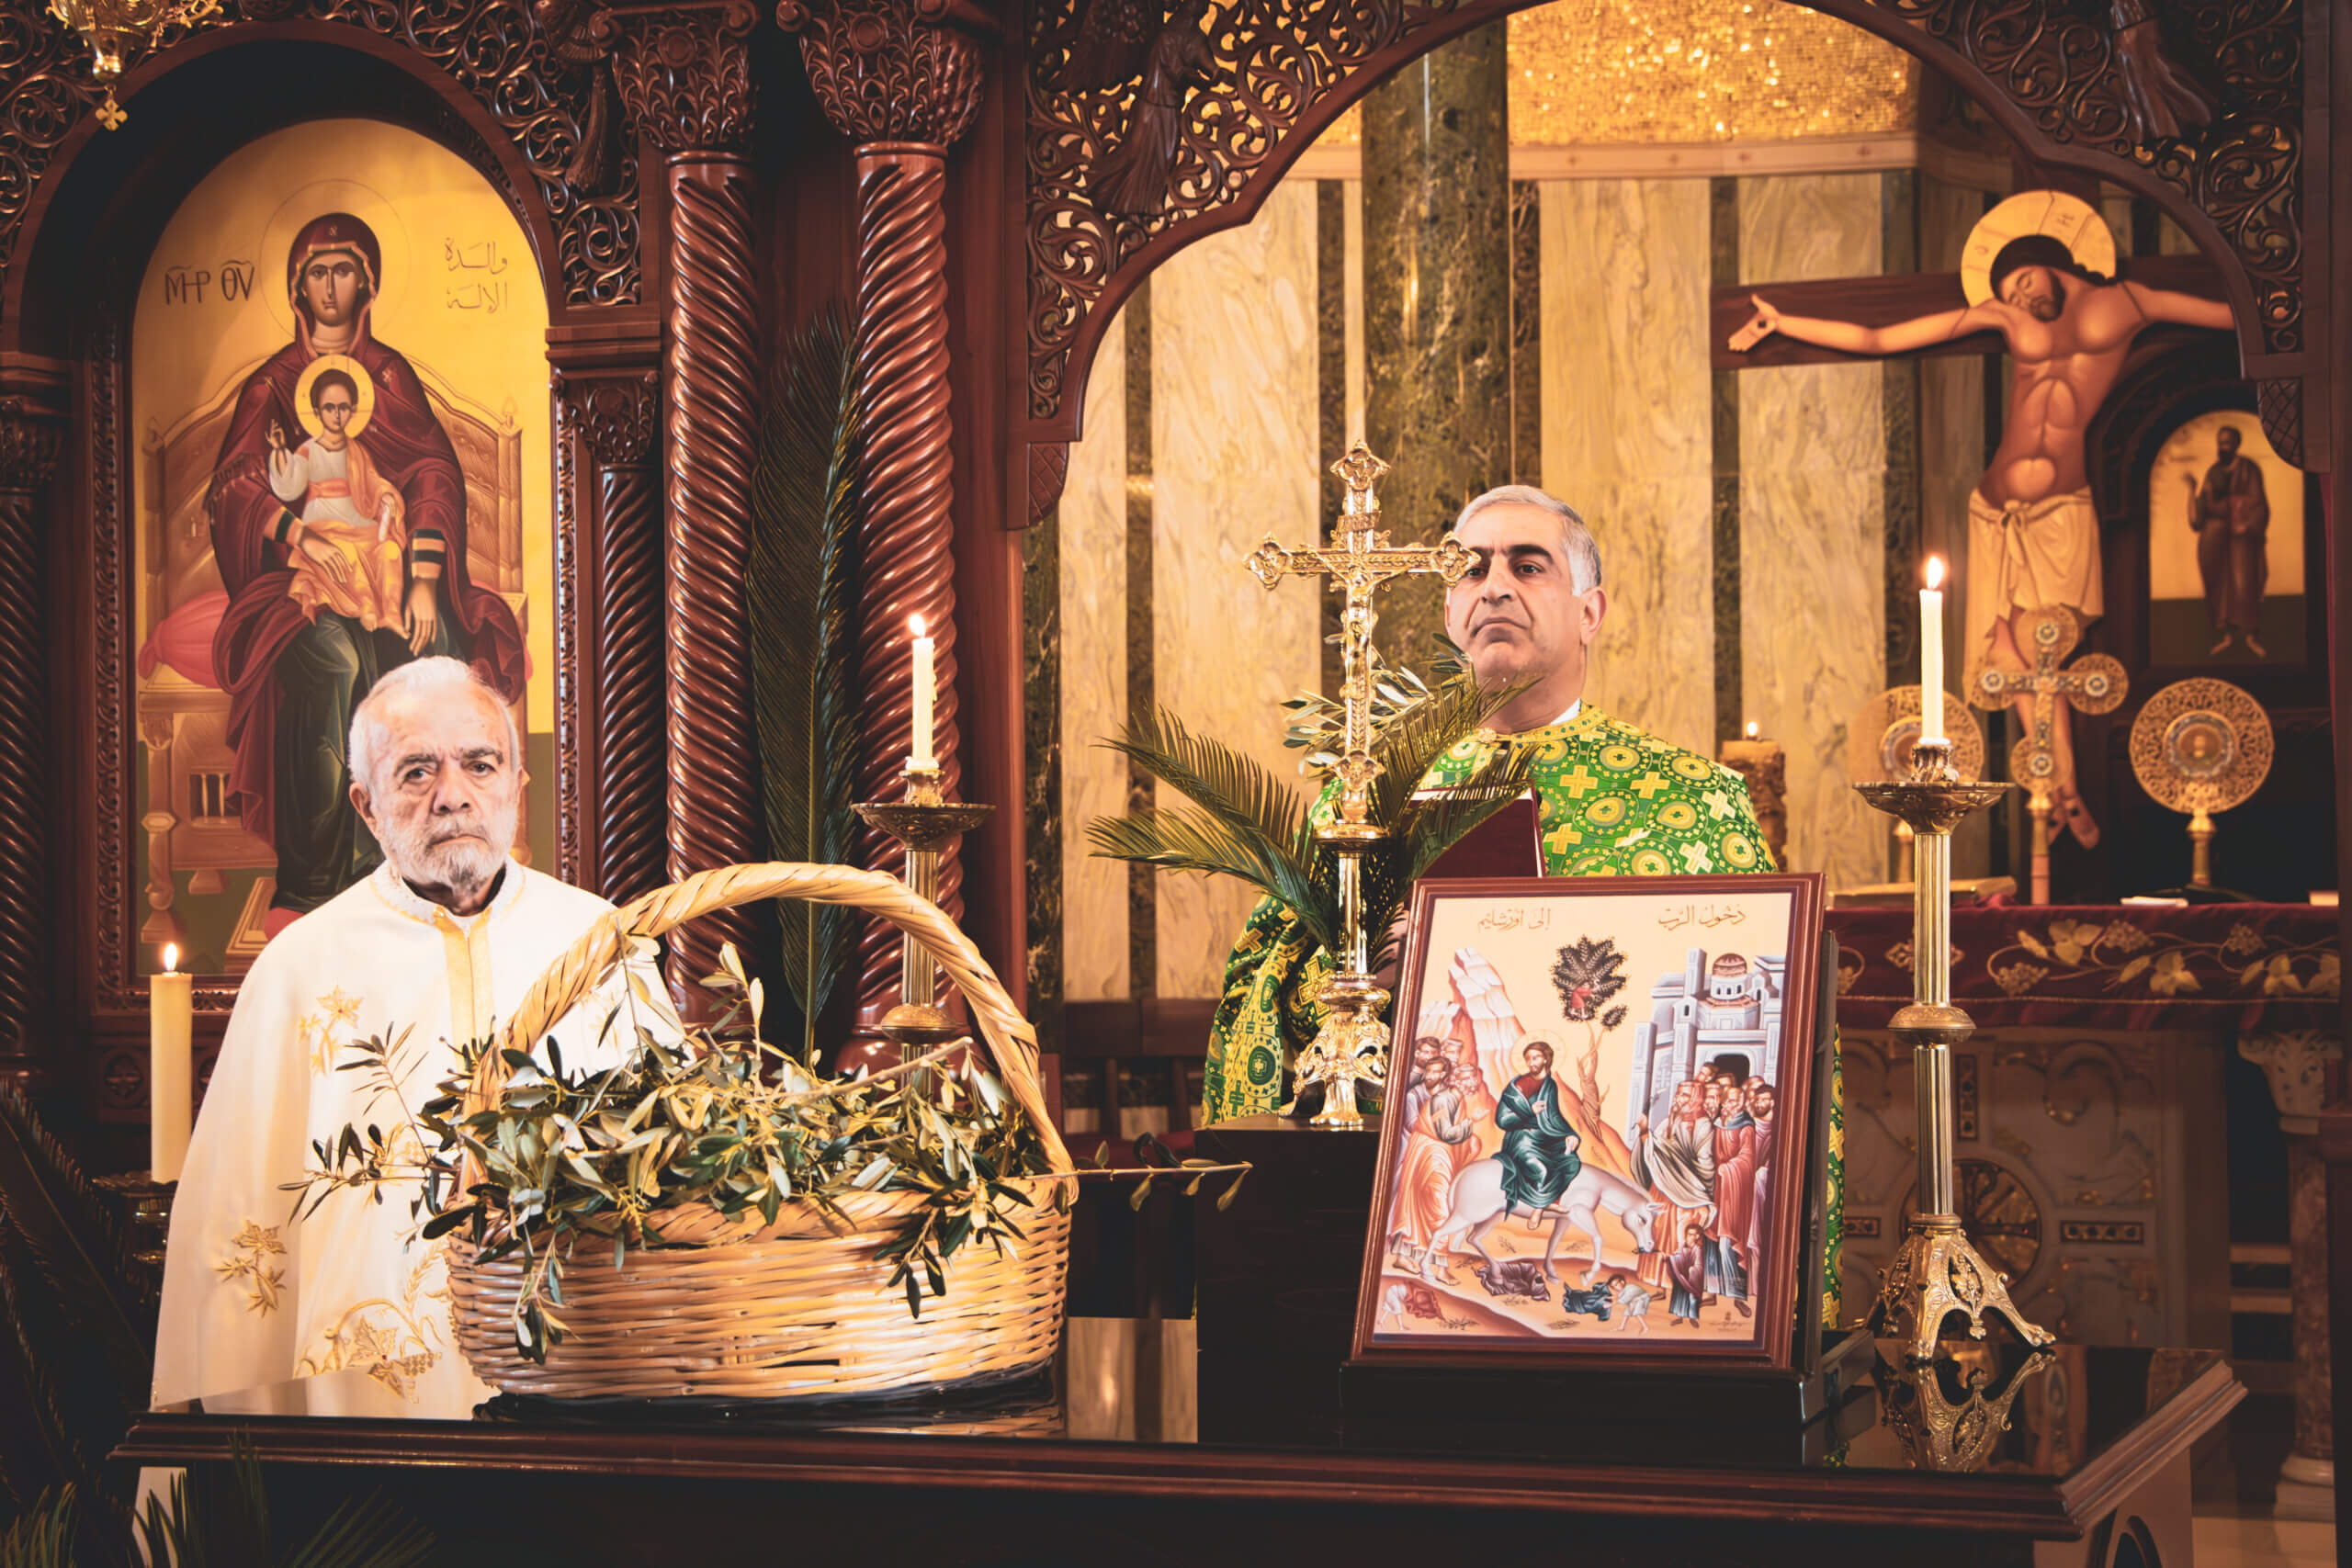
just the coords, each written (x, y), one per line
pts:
(171, 1103)
(926, 693)
(1931, 654)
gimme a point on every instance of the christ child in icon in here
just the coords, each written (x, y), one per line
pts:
(349, 535)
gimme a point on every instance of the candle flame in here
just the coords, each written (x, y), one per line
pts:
(1751, 729)
(171, 958)
(915, 625)
(1935, 571)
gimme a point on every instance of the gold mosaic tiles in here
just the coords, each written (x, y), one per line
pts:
(1601, 73)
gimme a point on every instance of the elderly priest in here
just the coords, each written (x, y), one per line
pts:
(1614, 800)
(434, 947)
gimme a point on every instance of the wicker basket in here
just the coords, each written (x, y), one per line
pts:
(801, 1308)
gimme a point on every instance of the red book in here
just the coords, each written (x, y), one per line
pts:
(1509, 843)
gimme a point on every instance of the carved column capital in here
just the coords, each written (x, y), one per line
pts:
(684, 71)
(2295, 1062)
(618, 416)
(30, 437)
(891, 69)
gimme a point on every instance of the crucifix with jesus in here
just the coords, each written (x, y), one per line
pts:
(2038, 278)
(1354, 1043)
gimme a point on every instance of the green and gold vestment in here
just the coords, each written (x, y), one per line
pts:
(1613, 800)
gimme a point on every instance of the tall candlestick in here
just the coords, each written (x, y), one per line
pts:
(171, 1104)
(1931, 655)
(926, 692)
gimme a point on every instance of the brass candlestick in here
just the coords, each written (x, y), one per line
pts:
(927, 822)
(1936, 1271)
(1947, 1433)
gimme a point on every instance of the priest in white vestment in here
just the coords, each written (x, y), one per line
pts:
(442, 940)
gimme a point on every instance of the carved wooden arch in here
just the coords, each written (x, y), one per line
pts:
(2048, 77)
(525, 108)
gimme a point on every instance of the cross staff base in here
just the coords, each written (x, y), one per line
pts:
(1353, 1043)
(2093, 683)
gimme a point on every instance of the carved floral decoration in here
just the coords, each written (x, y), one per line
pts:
(2278, 964)
(886, 70)
(538, 87)
(2207, 98)
(683, 72)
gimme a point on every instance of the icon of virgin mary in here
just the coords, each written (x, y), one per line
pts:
(326, 593)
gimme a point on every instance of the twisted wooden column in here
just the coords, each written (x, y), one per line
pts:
(618, 420)
(28, 447)
(908, 567)
(904, 90)
(684, 78)
(714, 777)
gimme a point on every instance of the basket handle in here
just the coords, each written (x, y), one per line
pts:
(1012, 1044)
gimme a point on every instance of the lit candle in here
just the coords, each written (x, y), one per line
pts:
(926, 690)
(1931, 654)
(171, 1105)
(1751, 729)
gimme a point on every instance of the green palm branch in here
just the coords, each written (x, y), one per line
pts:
(1244, 822)
(806, 506)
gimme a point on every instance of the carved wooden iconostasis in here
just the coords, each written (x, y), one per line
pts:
(685, 182)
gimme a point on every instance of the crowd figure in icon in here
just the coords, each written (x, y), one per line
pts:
(1445, 1105)
(1710, 1165)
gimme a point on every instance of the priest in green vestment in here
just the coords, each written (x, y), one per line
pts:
(1613, 799)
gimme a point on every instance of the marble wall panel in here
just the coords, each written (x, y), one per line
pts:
(1811, 465)
(1951, 454)
(1626, 433)
(1093, 572)
(1351, 206)
(1234, 447)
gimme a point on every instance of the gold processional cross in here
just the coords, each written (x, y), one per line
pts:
(1354, 1043)
(2093, 683)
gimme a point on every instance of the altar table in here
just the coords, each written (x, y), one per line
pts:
(1101, 1463)
(2090, 1113)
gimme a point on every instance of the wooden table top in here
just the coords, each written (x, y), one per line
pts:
(2088, 1427)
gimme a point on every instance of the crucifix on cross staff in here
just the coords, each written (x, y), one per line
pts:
(1354, 1043)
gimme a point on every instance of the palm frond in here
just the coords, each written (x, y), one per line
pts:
(1229, 784)
(367, 1532)
(80, 1261)
(1190, 838)
(805, 508)
(62, 1418)
(42, 1536)
(1407, 747)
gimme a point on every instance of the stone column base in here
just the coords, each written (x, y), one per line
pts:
(2306, 1489)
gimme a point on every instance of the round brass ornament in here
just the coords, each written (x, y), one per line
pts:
(2201, 745)
(1879, 740)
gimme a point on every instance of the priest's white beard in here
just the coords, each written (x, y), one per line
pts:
(447, 853)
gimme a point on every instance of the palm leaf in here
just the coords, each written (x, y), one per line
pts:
(1407, 746)
(79, 1258)
(806, 509)
(1229, 784)
(1196, 840)
(367, 1532)
(43, 1536)
(1244, 822)
(59, 1418)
